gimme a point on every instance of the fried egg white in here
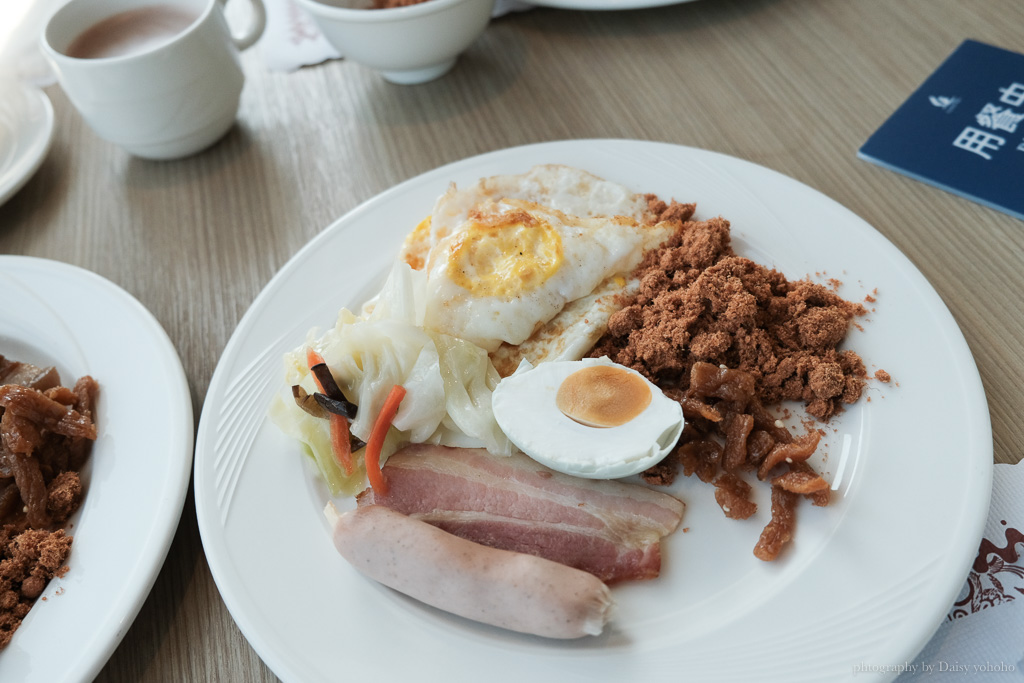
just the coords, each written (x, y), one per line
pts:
(602, 430)
(562, 188)
(580, 324)
(513, 265)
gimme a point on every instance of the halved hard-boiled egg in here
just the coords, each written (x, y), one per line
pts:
(590, 418)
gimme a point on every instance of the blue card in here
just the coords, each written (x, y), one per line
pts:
(963, 129)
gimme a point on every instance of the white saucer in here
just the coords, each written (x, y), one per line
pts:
(26, 130)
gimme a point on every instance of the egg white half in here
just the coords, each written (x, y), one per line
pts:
(525, 408)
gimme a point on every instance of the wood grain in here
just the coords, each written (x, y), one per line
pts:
(796, 86)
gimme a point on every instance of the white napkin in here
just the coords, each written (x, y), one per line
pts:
(291, 40)
(982, 637)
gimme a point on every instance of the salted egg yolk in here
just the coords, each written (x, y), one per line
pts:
(603, 396)
(505, 258)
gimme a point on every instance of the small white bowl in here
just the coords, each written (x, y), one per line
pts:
(413, 44)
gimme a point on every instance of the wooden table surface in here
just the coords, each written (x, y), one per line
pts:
(793, 85)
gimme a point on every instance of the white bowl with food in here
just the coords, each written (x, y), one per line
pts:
(410, 44)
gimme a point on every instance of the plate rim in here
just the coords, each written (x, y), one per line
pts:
(984, 465)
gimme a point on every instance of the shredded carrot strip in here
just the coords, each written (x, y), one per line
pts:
(376, 442)
(340, 443)
(314, 358)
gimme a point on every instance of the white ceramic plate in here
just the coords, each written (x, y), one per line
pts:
(136, 478)
(26, 129)
(867, 580)
(606, 4)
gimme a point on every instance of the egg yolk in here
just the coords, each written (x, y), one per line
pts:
(505, 258)
(603, 396)
(417, 243)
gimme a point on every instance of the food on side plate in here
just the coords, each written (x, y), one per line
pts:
(28, 375)
(499, 587)
(589, 418)
(569, 318)
(46, 434)
(609, 528)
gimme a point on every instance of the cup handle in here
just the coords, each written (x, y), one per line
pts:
(255, 28)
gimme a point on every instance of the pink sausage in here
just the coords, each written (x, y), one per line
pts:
(499, 587)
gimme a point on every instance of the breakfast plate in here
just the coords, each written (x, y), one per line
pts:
(26, 130)
(136, 478)
(855, 587)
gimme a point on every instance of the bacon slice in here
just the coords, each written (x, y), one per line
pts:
(608, 528)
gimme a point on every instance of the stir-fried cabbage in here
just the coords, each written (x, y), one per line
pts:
(448, 381)
(315, 435)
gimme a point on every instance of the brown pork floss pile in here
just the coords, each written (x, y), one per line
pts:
(31, 558)
(700, 302)
(46, 433)
(727, 337)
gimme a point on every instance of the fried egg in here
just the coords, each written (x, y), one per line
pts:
(512, 265)
(580, 324)
(590, 418)
(563, 188)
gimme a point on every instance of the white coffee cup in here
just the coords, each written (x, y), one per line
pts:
(164, 101)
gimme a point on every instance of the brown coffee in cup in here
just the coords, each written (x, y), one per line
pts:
(130, 32)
